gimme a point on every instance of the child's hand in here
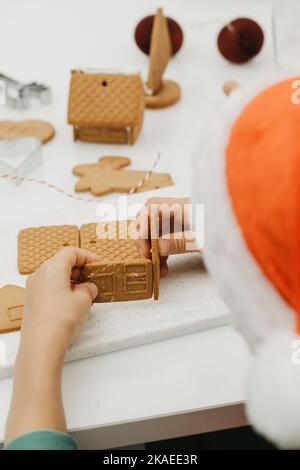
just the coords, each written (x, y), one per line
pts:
(55, 310)
(56, 305)
(175, 235)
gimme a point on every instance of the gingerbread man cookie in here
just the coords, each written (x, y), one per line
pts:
(107, 176)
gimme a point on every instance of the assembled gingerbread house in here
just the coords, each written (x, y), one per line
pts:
(105, 107)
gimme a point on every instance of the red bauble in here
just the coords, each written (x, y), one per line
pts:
(143, 32)
(240, 40)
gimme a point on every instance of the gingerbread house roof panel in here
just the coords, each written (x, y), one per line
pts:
(105, 100)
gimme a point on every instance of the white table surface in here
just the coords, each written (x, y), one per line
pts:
(181, 386)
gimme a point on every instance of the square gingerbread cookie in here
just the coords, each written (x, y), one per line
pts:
(109, 240)
(38, 244)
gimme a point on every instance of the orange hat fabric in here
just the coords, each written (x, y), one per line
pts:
(263, 164)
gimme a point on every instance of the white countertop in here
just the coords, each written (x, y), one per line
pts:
(180, 386)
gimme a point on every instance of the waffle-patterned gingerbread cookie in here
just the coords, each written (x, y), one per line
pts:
(111, 241)
(106, 107)
(38, 244)
(121, 273)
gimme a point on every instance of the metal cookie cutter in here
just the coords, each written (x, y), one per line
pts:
(19, 95)
(19, 157)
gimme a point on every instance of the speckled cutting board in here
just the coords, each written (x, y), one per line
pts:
(188, 303)
(188, 300)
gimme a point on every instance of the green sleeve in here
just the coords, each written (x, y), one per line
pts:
(43, 440)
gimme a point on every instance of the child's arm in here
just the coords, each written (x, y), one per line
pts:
(55, 310)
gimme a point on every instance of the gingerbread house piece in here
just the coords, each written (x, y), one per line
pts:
(161, 93)
(122, 274)
(38, 244)
(11, 308)
(106, 108)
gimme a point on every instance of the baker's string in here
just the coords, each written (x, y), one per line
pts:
(133, 190)
(20, 179)
(146, 177)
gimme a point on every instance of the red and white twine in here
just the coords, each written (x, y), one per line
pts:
(146, 177)
(20, 179)
(133, 190)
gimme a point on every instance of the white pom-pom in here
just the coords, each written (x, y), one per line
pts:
(273, 390)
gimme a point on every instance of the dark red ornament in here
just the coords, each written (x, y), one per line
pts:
(240, 40)
(143, 32)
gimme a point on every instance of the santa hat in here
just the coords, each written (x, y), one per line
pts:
(249, 165)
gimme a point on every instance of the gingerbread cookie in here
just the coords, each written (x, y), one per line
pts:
(107, 176)
(155, 256)
(121, 273)
(37, 245)
(11, 308)
(106, 107)
(41, 130)
(162, 93)
(160, 51)
(169, 94)
(109, 240)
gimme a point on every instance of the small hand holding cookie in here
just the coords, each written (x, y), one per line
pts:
(56, 303)
(56, 308)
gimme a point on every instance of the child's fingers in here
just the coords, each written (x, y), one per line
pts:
(69, 258)
(142, 230)
(89, 290)
(143, 247)
(142, 223)
(176, 243)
